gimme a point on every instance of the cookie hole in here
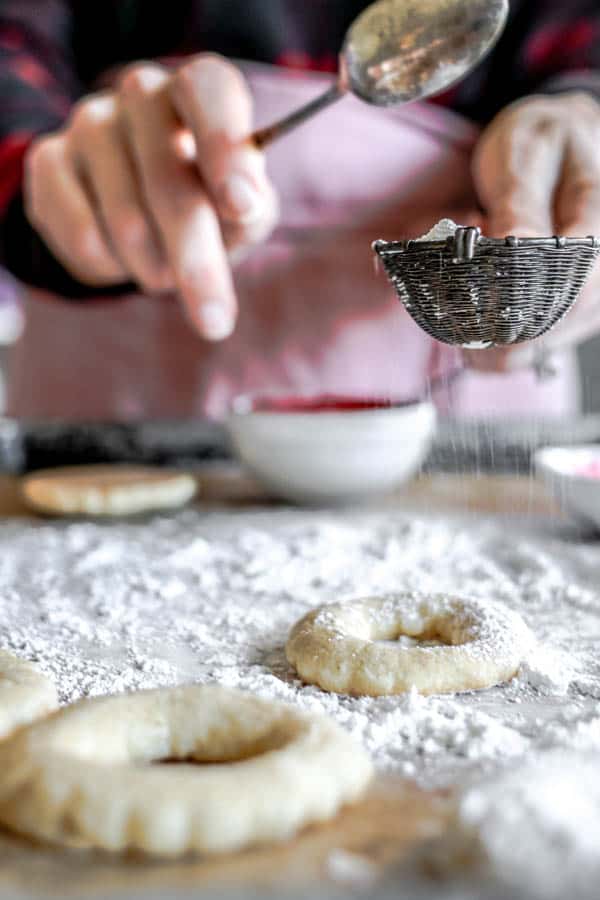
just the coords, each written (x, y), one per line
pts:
(193, 761)
(430, 637)
(275, 739)
(405, 640)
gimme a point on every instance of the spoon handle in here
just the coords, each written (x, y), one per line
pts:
(265, 136)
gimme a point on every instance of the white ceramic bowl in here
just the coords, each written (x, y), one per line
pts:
(573, 476)
(310, 451)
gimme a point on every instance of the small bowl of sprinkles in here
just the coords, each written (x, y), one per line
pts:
(572, 474)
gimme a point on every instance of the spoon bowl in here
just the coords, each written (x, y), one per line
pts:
(398, 51)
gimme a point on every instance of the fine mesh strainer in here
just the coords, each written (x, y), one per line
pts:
(477, 292)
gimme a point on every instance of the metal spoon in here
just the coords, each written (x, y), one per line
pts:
(397, 51)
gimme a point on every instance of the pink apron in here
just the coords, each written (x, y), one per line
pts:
(315, 314)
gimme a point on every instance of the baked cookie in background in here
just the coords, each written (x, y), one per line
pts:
(107, 490)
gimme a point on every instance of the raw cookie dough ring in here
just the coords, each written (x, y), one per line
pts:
(336, 646)
(106, 490)
(25, 693)
(82, 775)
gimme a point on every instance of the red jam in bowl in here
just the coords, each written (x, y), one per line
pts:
(322, 403)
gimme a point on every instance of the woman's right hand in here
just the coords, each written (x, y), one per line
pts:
(154, 182)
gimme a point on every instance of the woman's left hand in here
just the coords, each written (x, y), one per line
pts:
(537, 173)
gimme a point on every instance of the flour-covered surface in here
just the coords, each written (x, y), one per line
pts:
(210, 596)
(551, 805)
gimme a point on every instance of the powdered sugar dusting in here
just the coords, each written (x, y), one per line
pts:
(485, 632)
(535, 828)
(351, 869)
(212, 595)
(445, 228)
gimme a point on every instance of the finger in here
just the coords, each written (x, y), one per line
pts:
(578, 213)
(179, 204)
(102, 155)
(214, 102)
(239, 239)
(60, 209)
(578, 197)
(517, 172)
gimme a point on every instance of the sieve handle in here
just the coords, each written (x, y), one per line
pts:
(465, 241)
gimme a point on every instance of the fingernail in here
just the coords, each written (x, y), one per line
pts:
(241, 197)
(217, 324)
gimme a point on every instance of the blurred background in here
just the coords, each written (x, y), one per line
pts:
(12, 323)
(589, 366)
(11, 328)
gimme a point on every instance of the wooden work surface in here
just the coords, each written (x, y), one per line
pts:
(390, 822)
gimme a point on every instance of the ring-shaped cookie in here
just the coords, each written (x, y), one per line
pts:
(84, 775)
(353, 647)
(25, 693)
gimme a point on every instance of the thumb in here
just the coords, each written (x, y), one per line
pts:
(516, 171)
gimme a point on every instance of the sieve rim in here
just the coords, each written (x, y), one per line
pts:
(555, 242)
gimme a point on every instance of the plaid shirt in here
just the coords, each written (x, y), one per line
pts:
(53, 51)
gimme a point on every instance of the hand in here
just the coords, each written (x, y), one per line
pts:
(154, 183)
(537, 172)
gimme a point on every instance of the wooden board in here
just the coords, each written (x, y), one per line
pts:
(392, 820)
(381, 830)
(498, 494)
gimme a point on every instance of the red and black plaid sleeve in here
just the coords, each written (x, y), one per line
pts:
(38, 85)
(563, 53)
